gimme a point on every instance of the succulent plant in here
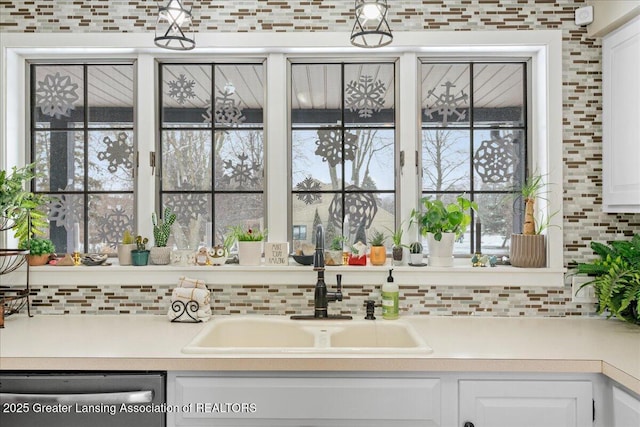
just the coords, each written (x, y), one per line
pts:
(162, 227)
(377, 238)
(38, 246)
(141, 243)
(415, 248)
(127, 238)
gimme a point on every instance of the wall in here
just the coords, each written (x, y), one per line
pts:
(611, 14)
(582, 136)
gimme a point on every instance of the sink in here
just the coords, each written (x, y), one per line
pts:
(274, 335)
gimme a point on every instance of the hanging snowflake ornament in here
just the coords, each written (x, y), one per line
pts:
(181, 89)
(65, 210)
(188, 206)
(309, 188)
(111, 227)
(56, 95)
(496, 160)
(245, 173)
(118, 152)
(361, 208)
(365, 96)
(330, 146)
(226, 110)
(447, 104)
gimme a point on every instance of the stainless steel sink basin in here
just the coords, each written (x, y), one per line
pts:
(281, 335)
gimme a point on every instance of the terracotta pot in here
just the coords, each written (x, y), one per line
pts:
(160, 255)
(124, 253)
(378, 255)
(441, 252)
(250, 253)
(35, 260)
(528, 251)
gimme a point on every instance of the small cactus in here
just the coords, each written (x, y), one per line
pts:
(141, 243)
(162, 228)
(415, 248)
(127, 238)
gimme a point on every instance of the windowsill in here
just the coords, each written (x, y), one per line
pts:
(461, 274)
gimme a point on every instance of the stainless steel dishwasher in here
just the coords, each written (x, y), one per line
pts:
(82, 399)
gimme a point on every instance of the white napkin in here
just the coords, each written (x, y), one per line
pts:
(191, 290)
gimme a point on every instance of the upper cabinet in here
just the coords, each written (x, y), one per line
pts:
(621, 119)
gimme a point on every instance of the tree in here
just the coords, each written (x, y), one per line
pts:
(443, 154)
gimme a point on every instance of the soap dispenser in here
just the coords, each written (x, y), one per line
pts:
(390, 293)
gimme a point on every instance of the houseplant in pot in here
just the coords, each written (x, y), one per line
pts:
(397, 250)
(333, 256)
(124, 249)
(528, 249)
(160, 254)
(377, 252)
(40, 250)
(249, 245)
(442, 224)
(616, 278)
(140, 255)
(415, 254)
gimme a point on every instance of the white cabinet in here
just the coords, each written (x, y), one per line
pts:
(302, 400)
(525, 403)
(626, 409)
(621, 119)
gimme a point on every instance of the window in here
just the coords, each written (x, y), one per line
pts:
(82, 141)
(212, 148)
(474, 141)
(343, 148)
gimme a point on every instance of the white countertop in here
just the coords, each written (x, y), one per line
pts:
(141, 342)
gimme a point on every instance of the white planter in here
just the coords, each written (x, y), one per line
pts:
(124, 253)
(441, 252)
(416, 259)
(249, 253)
(160, 256)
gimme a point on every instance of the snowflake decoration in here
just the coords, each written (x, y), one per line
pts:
(309, 188)
(111, 227)
(361, 208)
(365, 96)
(243, 173)
(330, 146)
(495, 161)
(182, 89)
(65, 210)
(446, 104)
(226, 111)
(118, 152)
(188, 206)
(56, 95)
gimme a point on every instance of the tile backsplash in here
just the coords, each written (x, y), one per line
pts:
(584, 220)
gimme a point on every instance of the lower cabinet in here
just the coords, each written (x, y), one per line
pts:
(626, 409)
(525, 403)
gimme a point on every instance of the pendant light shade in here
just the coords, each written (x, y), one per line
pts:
(173, 27)
(371, 28)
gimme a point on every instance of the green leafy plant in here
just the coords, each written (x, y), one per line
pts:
(377, 238)
(162, 227)
(141, 243)
(127, 238)
(415, 248)
(248, 235)
(616, 279)
(337, 243)
(396, 236)
(531, 191)
(438, 218)
(38, 246)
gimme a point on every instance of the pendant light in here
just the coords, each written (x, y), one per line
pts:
(371, 28)
(172, 25)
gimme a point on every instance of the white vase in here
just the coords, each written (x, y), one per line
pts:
(160, 255)
(250, 253)
(441, 252)
(124, 253)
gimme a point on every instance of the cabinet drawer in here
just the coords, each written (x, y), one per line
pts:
(304, 398)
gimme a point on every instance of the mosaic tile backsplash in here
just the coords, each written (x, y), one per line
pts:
(584, 221)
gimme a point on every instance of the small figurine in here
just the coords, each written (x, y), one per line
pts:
(202, 258)
(217, 255)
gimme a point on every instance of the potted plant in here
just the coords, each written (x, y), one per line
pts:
(40, 250)
(333, 256)
(415, 254)
(140, 255)
(442, 224)
(160, 254)
(616, 278)
(124, 249)
(358, 254)
(377, 253)
(397, 250)
(528, 249)
(249, 245)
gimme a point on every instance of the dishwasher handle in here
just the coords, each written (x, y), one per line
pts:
(143, 396)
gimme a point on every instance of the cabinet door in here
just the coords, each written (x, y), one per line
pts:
(621, 119)
(526, 403)
(626, 409)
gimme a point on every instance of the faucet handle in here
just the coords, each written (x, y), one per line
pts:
(370, 305)
(339, 282)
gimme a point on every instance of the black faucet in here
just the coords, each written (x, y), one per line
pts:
(321, 296)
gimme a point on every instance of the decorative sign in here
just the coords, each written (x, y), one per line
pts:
(276, 253)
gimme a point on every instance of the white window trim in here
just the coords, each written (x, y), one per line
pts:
(542, 47)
